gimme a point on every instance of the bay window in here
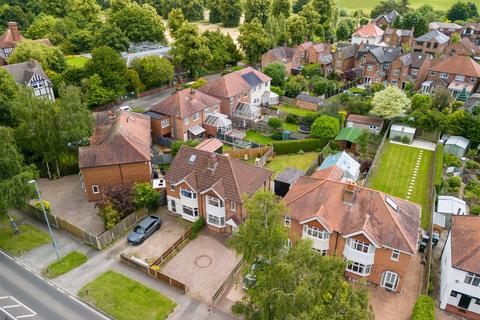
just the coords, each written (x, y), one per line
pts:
(315, 232)
(358, 268)
(193, 212)
(216, 221)
(360, 246)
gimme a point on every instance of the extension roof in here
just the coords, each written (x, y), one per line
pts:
(124, 138)
(230, 178)
(466, 243)
(389, 221)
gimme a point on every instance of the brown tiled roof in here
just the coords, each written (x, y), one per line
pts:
(123, 139)
(456, 64)
(466, 243)
(233, 83)
(11, 36)
(230, 178)
(310, 197)
(185, 103)
(357, 118)
(210, 145)
(333, 172)
(369, 30)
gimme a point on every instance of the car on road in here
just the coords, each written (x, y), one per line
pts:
(144, 229)
(125, 108)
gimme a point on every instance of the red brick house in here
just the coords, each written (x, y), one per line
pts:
(464, 47)
(433, 43)
(209, 185)
(471, 30)
(398, 37)
(374, 232)
(456, 73)
(411, 67)
(119, 153)
(182, 115)
(375, 62)
(385, 21)
(283, 55)
(344, 58)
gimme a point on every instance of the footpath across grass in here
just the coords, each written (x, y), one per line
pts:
(126, 299)
(18, 244)
(66, 263)
(299, 161)
(394, 172)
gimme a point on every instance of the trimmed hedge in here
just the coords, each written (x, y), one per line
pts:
(294, 146)
(424, 309)
(438, 167)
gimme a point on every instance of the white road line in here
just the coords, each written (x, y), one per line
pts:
(38, 276)
(11, 306)
(60, 290)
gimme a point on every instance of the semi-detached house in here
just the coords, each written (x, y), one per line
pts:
(375, 233)
(213, 186)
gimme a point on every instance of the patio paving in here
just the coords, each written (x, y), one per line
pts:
(398, 306)
(172, 229)
(203, 265)
(68, 202)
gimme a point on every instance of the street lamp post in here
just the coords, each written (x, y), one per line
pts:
(39, 196)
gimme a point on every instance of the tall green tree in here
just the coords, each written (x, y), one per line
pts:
(276, 27)
(345, 29)
(153, 71)
(175, 20)
(95, 92)
(326, 9)
(109, 65)
(281, 7)
(56, 8)
(257, 9)
(253, 40)
(144, 196)
(297, 30)
(222, 49)
(139, 23)
(298, 5)
(461, 10)
(415, 20)
(43, 25)
(84, 12)
(51, 58)
(390, 102)
(215, 14)
(277, 72)
(230, 13)
(385, 6)
(8, 93)
(14, 176)
(190, 49)
(111, 36)
(314, 20)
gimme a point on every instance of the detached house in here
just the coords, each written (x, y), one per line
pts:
(212, 186)
(432, 43)
(246, 85)
(385, 21)
(375, 62)
(456, 73)
(368, 34)
(471, 30)
(31, 74)
(182, 115)
(283, 55)
(460, 268)
(375, 233)
(119, 153)
(411, 67)
(9, 39)
(447, 28)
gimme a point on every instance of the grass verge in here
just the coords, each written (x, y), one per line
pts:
(393, 175)
(66, 263)
(126, 299)
(300, 161)
(18, 244)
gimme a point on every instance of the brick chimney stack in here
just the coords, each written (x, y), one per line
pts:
(349, 193)
(13, 27)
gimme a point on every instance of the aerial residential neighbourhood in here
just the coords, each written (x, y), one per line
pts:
(228, 159)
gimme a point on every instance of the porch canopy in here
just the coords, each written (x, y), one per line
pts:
(196, 130)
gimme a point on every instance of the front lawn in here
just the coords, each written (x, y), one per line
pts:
(18, 244)
(394, 171)
(295, 110)
(257, 137)
(66, 263)
(299, 161)
(126, 299)
(76, 61)
(290, 127)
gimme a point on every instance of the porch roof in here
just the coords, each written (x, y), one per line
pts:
(196, 130)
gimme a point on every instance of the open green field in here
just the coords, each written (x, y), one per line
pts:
(126, 299)
(18, 244)
(66, 263)
(367, 5)
(299, 161)
(76, 61)
(394, 171)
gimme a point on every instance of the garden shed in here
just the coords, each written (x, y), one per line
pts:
(456, 145)
(285, 179)
(306, 101)
(447, 206)
(348, 138)
(401, 132)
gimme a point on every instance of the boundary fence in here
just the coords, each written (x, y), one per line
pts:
(97, 241)
(377, 155)
(227, 282)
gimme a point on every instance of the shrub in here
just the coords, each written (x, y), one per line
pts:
(475, 210)
(451, 160)
(310, 118)
(277, 90)
(145, 196)
(109, 215)
(325, 127)
(275, 123)
(46, 204)
(406, 140)
(453, 184)
(277, 134)
(291, 118)
(197, 226)
(470, 164)
(177, 144)
(294, 146)
(424, 308)
(199, 83)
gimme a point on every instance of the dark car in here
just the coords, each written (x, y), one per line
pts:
(144, 229)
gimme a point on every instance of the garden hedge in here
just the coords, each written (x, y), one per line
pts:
(424, 309)
(294, 146)
(438, 167)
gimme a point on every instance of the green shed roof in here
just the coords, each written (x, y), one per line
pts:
(349, 134)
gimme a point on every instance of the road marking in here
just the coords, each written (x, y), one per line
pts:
(26, 311)
(38, 276)
(60, 290)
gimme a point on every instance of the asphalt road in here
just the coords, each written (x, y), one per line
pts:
(26, 295)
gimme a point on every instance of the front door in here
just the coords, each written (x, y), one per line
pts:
(464, 301)
(389, 280)
(368, 80)
(173, 205)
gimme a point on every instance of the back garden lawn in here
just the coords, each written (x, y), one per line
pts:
(394, 173)
(299, 160)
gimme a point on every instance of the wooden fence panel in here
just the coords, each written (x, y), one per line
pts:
(227, 282)
(254, 152)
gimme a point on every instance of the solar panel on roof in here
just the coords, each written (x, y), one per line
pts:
(252, 79)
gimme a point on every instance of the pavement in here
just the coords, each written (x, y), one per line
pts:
(99, 262)
(27, 295)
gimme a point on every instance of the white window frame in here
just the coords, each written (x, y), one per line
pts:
(472, 279)
(172, 186)
(396, 72)
(385, 277)
(369, 67)
(473, 79)
(194, 211)
(188, 193)
(359, 268)
(214, 202)
(315, 233)
(395, 255)
(432, 73)
(443, 75)
(212, 219)
(360, 246)
(460, 77)
(323, 252)
(186, 120)
(286, 221)
(173, 205)
(165, 123)
(196, 116)
(414, 72)
(95, 187)
(233, 206)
